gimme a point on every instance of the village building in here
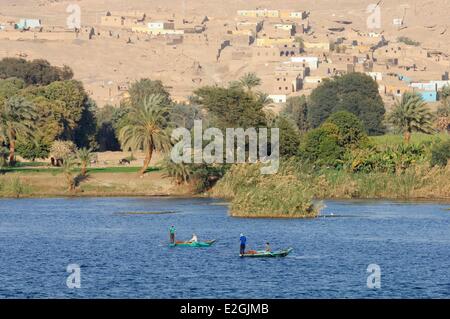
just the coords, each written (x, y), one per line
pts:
(25, 24)
(274, 41)
(308, 61)
(316, 45)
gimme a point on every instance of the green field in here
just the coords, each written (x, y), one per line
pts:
(416, 138)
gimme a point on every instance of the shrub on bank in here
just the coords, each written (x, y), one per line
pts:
(440, 153)
(281, 195)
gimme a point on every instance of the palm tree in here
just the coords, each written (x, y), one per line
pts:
(68, 165)
(411, 114)
(264, 98)
(16, 119)
(249, 81)
(85, 156)
(146, 128)
(180, 172)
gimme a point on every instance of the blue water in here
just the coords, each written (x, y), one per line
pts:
(127, 255)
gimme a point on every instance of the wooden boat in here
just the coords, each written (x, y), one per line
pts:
(263, 253)
(206, 243)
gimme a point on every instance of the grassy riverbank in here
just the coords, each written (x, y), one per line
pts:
(99, 182)
(293, 191)
(259, 194)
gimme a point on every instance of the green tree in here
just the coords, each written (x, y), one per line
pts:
(249, 81)
(146, 128)
(297, 109)
(106, 135)
(140, 90)
(36, 72)
(16, 120)
(289, 137)
(351, 131)
(354, 92)
(411, 114)
(230, 107)
(75, 109)
(85, 156)
(33, 148)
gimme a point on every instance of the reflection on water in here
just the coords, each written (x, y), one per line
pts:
(127, 255)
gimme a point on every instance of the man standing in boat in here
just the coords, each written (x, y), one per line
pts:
(243, 241)
(172, 231)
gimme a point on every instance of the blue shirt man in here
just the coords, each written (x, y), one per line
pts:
(243, 240)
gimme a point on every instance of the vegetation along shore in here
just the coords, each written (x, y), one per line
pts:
(337, 143)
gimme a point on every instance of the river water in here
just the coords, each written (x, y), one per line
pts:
(127, 256)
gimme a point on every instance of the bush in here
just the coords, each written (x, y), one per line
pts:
(351, 131)
(322, 145)
(389, 159)
(285, 194)
(440, 153)
(408, 41)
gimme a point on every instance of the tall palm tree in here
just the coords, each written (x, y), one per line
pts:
(410, 114)
(146, 128)
(249, 81)
(16, 119)
(85, 156)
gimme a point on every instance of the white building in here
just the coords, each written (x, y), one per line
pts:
(376, 76)
(161, 25)
(278, 98)
(312, 62)
(427, 86)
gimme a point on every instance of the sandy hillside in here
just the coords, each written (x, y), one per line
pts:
(103, 64)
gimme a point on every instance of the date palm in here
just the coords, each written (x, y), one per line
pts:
(68, 164)
(410, 114)
(249, 81)
(85, 156)
(180, 172)
(146, 128)
(16, 119)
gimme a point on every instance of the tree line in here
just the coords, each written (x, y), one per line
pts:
(328, 128)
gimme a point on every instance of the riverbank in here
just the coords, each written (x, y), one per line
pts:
(255, 195)
(95, 184)
(419, 184)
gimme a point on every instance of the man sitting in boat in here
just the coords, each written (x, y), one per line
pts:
(243, 240)
(194, 238)
(268, 249)
(172, 231)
